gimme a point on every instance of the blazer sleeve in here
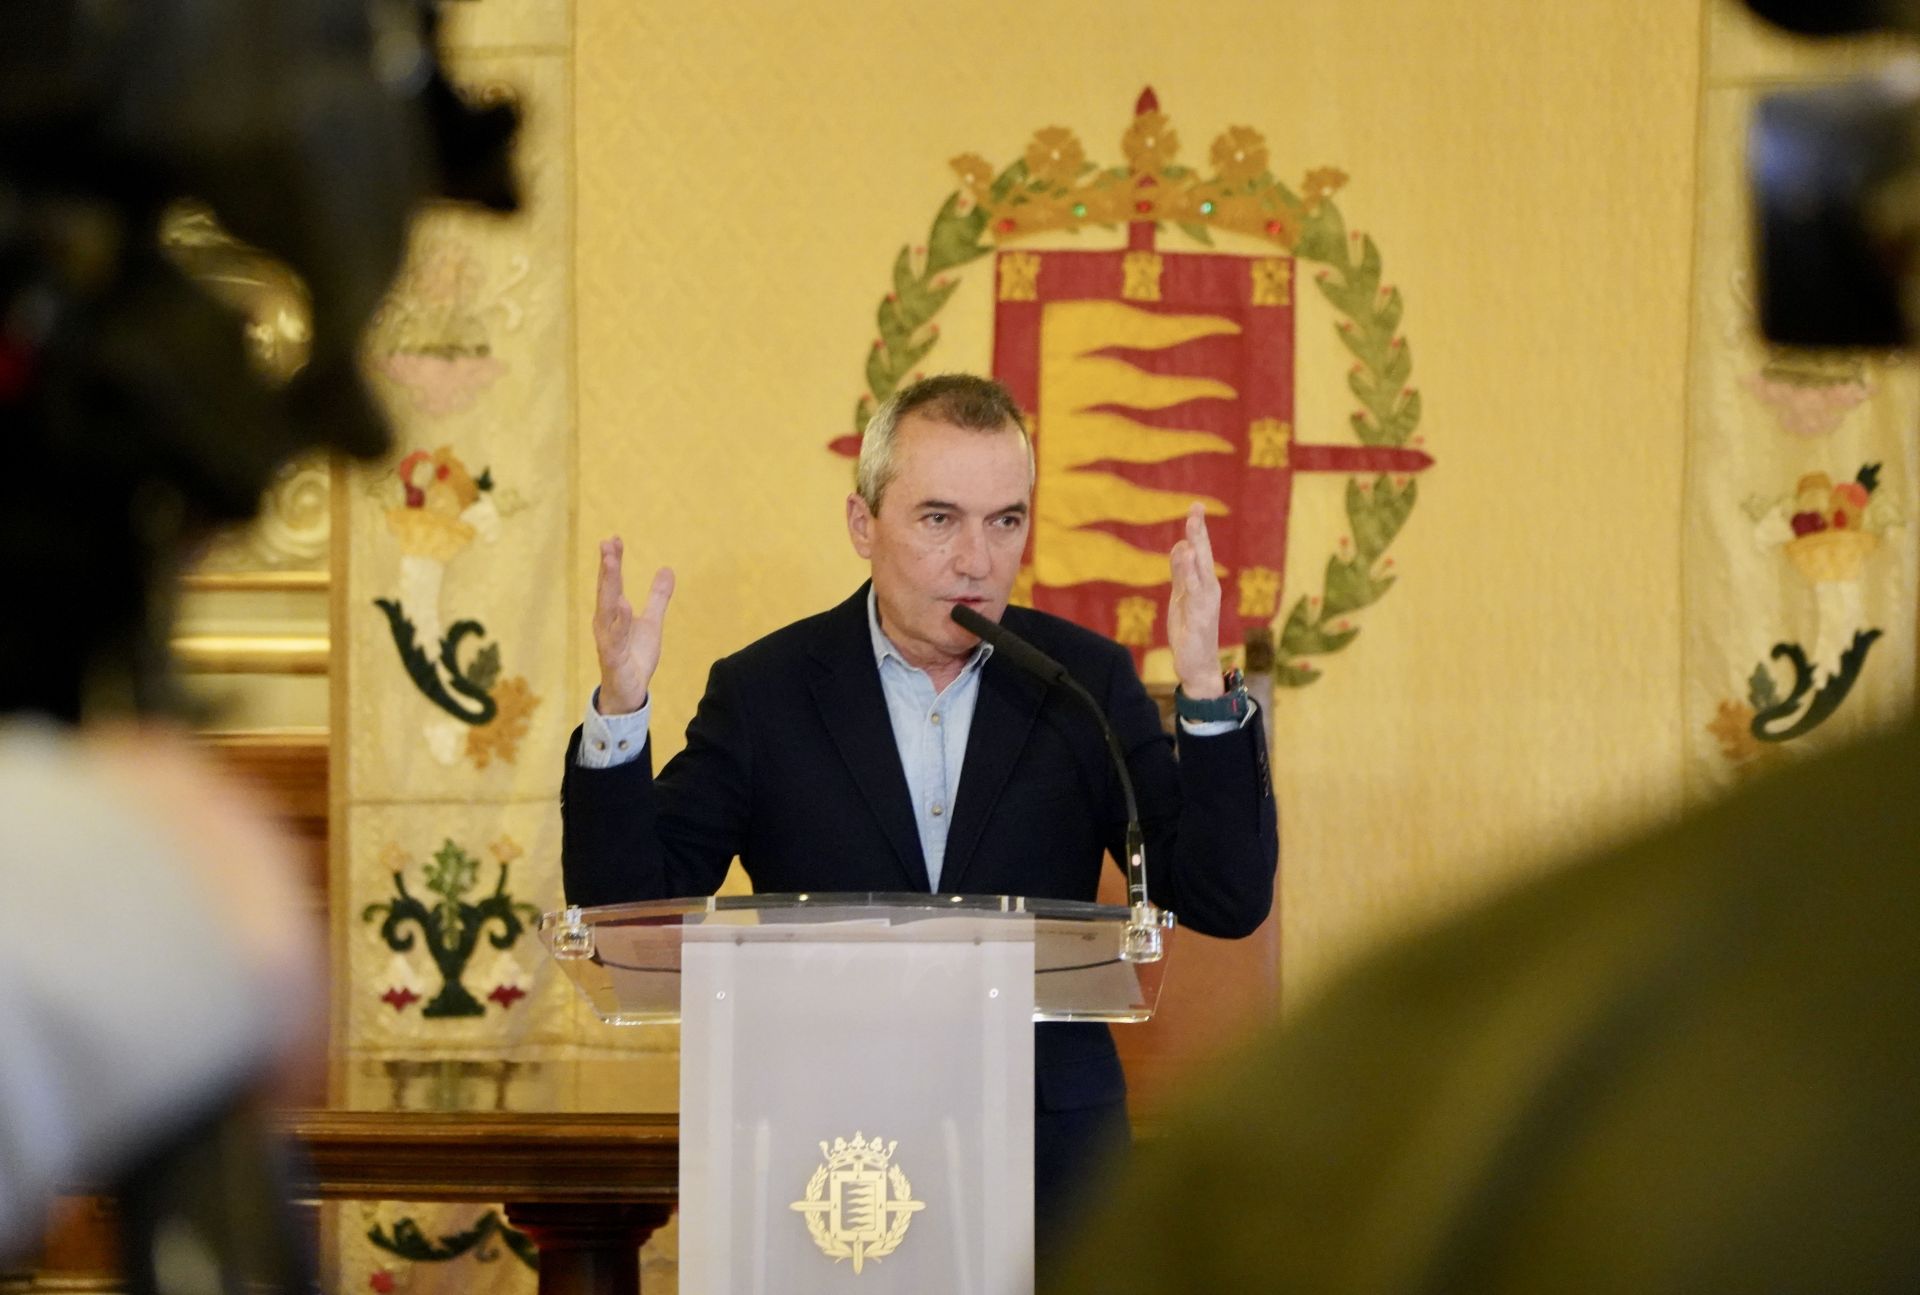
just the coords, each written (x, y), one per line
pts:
(1212, 830)
(627, 835)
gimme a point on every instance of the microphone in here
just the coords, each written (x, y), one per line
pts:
(1144, 925)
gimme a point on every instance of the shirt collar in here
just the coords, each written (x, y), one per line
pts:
(883, 646)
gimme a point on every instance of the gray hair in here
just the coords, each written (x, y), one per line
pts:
(956, 399)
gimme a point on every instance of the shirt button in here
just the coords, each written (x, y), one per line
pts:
(938, 809)
(622, 744)
(934, 718)
(599, 746)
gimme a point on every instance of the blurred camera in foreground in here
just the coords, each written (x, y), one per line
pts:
(1835, 175)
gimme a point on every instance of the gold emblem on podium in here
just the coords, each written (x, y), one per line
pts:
(858, 1204)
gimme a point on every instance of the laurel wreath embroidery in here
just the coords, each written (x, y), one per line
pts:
(921, 286)
(1359, 573)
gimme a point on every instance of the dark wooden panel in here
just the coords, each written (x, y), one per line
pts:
(488, 1156)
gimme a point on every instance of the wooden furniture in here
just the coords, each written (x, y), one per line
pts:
(589, 1189)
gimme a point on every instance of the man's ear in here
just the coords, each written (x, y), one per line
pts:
(859, 525)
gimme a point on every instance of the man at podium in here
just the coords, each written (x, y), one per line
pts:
(879, 747)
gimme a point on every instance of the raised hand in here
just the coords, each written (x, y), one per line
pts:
(1193, 611)
(628, 645)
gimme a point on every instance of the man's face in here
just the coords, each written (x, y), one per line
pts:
(951, 527)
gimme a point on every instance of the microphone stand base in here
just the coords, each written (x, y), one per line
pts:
(1145, 939)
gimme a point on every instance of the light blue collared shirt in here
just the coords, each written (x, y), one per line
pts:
(929, 728)
(931, 731)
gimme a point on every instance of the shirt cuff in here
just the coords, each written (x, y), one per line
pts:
(609, 741)
(1215, 727)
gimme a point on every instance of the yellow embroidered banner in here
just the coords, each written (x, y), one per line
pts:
(455, 628)
(1802, 475)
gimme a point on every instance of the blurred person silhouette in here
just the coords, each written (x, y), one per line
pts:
(1688, 1064)
(156, 964)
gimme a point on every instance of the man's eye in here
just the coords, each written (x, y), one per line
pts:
(1009, 521)
(935, 519)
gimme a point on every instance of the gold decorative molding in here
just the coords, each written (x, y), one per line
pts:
(258, 581)
(289, 535)
(296, 654)
(272, 297)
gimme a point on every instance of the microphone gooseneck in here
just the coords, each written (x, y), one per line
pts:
(1143, 943)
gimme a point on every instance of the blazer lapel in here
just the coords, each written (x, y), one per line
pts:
(1003, 715)
(846, 687)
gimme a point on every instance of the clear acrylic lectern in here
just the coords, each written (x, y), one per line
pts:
(856, 1072)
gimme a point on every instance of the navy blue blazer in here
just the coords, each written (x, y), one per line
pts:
(791, 764)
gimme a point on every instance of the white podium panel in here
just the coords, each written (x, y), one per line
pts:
(857, 1116)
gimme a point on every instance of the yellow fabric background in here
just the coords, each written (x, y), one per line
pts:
(1538, 179)
(747, 173)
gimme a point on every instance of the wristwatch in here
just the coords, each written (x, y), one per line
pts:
(1234, 704)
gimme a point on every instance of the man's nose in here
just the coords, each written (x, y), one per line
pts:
(972, 556)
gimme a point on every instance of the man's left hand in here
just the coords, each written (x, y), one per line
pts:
(1193, 611)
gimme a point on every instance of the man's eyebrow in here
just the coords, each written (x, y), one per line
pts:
(948, 506)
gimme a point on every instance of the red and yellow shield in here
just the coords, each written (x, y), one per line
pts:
(1155, 378)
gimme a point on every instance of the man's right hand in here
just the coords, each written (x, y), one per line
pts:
(628, 645)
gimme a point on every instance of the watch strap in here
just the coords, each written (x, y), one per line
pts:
(1233, 704)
